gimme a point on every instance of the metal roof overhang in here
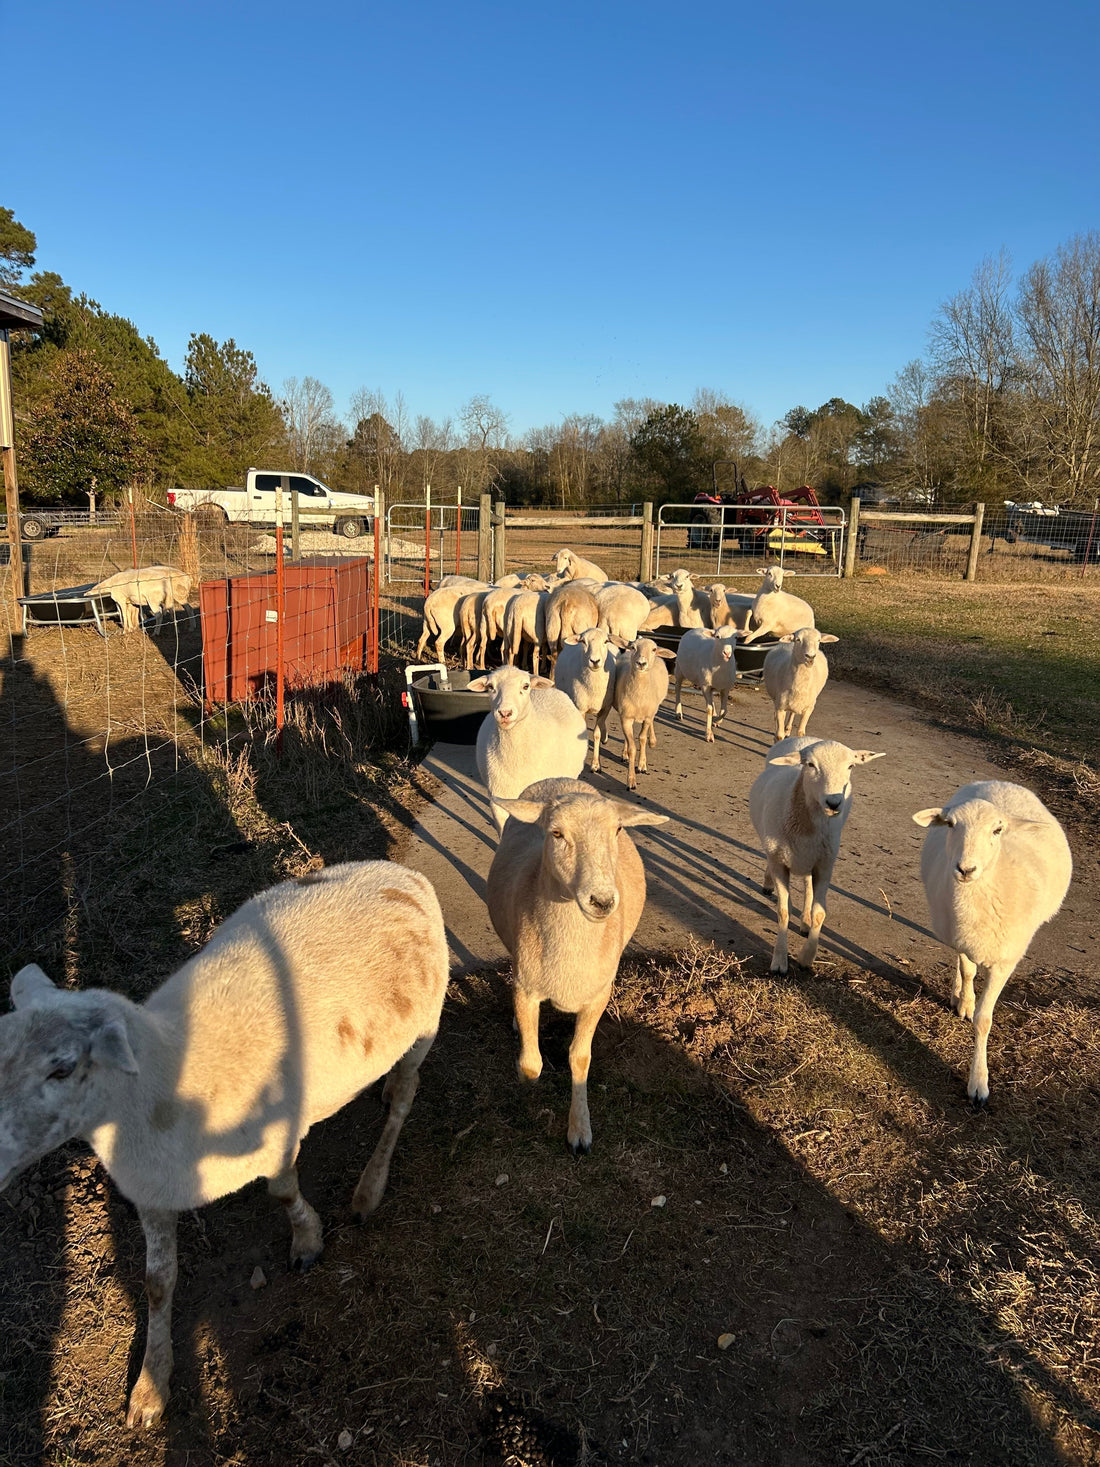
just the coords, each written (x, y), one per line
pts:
(17, 315)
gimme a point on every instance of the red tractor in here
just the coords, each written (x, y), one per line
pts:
(801, 530)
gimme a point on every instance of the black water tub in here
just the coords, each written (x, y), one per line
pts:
(749, 659)
(452, 714)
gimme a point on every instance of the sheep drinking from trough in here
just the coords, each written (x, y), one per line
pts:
(799, 805)
(707, 661)
(565, 892)
(585, 673)
(996, 865)
(641, 686)
(156, 588)
(532, 731)
(302, 998)
(795, 672)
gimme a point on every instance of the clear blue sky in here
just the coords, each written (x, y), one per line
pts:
(556, 205)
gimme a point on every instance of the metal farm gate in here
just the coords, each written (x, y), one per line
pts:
(423, 544)
(734, 540)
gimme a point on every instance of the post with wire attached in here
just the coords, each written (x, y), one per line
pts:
(975, 543)
(427, 540)
(15, 315)
(377, 572)
(295, 529)
(458, 536)
(499, 544)
(280, 609)
(645, 555)
(485, 538)
(133, 526)
(852, 544)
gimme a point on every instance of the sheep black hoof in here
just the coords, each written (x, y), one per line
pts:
(978, 1102)
(304, 1262)
(580, 1148)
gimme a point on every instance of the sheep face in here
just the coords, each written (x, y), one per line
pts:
(511, 693)
(54, 1051)
(726, 637)
(535, 582)
(643, 652)
(581, 847)
(773, 577)
(826, 773)
(563, 563)
(972, 836)
(680, 580)
(808, 641)
(596, 642)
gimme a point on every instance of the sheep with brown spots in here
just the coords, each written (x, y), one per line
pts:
(301, 999)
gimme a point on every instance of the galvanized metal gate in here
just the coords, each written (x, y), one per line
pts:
(729, 541)
(424, 544)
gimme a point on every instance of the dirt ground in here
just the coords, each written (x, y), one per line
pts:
(793, 1241)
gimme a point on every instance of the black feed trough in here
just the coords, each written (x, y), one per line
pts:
(452, 715)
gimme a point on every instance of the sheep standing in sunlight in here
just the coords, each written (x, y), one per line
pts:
(996, 865)
(301, 999)
(799, 805)
(565, 892)
(155, 588)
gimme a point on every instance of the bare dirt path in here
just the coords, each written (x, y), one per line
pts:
(704, 868)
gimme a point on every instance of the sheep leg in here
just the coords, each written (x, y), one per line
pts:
(652, 735)
(579, 1131)
(399, 1092)
(424, 635)
(306, 1235)
(997, 975)
(781, 880)
(529, 1063)
(647, 741)
(808, 904)
(962, 990)
(803, 720)
(628, 735)
(150, 1394)
(710, 715)
(819, 880)
(724, 701)
(679, 699)
(599, 733)
(780, 724)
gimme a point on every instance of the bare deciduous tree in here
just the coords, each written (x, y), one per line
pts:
(311, 425)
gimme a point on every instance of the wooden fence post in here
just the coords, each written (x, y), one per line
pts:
(295, 528)
(485, 538)
(853, 538)
(975, 543)
(645, 555)
(498, 540)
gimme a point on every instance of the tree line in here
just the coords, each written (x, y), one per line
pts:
(1005, 404)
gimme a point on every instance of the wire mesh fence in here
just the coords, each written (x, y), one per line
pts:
(116, 695)
(730, 542)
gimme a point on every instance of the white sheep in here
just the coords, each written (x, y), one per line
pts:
(776, 612)
(795, 672)
(156, 588)
(682, 607)
(571, 609)
(532, 731)
(572, 567)
(728, 608)
(799, 805)
(641, 686)
(585, 673)
(565, 892)
(439, 614)
(491, 618)
(707, 661)
(622, 608)
(301, 999)
(996, 865)
(525, 623)
(467, 617)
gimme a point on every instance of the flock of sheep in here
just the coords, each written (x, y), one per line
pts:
(339, 978)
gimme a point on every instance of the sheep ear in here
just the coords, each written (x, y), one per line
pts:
(529, 811)
(762, 570)
(31, 988)
(636, 815)
(788, 638)
(934, 816)
(572, 641)
(110, 1045)
(666, 654)
(864, 756)
(795, 758)
(828, 637)
(540, 682)
(619, 642)
(479, 685)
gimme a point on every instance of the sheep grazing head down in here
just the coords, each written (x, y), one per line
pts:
(581, 847)
(974, 832)
(511, 693)
(54, 1052)
(826, 773)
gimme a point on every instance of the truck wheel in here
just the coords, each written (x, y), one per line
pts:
(350, 529)
(35, 530)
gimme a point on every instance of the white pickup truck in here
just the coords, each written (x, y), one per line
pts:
(319, 507)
